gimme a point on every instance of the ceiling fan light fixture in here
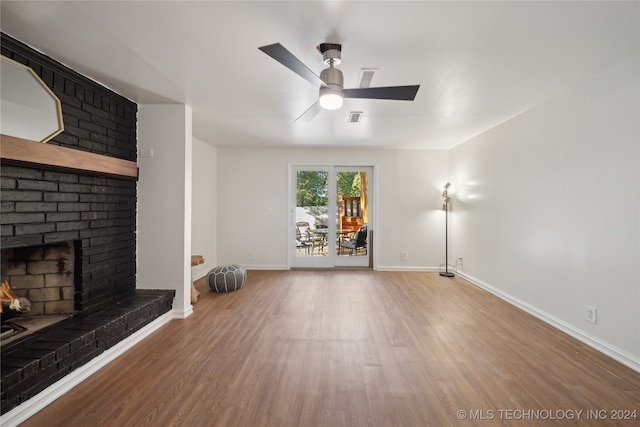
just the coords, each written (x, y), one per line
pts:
(331, 96)
(330, 99)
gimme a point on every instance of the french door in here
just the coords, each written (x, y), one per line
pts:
(330, 216)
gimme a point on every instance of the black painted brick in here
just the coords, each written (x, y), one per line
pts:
(8, 183)
(58, 82)
(78, 131)
(74, 207)
(93, 146)
(24, 184)
(70, 120)
(119, 152)
(74, 342)
(36, 207)
(96, 112)
(120, 214)
(104, 239)
(75, 188)
(20, 172)
(34, 200)
(85, 105)
(63, 216)
(10, 377)
(60, 176)
(93, 198)
(22, 218)
(104, 139)
(21, 196)
(70, 100)
(62, 236)
(34, 228)
(93, 180)
(18, 241)
(47, 76)
(7, 206)
(94, 233)
(125, 221)
(68, 226)
(61, 197)
(100, 189)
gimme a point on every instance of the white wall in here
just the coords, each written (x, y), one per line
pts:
(408, 183)
(164, 202)
(547, 211)
(204, 215)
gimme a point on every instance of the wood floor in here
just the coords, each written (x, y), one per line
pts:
(353, 348)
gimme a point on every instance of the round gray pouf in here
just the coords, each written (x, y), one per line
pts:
(226, 278)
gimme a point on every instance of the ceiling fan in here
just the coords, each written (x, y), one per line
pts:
(331, 80)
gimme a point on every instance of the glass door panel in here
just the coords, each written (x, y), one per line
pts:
(352, 219)
(311, 226)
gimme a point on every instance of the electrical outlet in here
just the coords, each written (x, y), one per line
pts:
(460, 261)
(591, 314)
(404, 255)
(252, 256)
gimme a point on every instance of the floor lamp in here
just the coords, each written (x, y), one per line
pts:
(445, 207)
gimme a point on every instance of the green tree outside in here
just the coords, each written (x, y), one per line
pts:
(312, 187)
(349, 184)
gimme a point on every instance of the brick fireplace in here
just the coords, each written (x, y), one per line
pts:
(42, 206)
(68, 238)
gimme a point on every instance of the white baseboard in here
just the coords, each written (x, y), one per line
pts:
(182, 314)
(406, 268)
(266, 267)
(247, 267)
(27, 409)
(603, 347)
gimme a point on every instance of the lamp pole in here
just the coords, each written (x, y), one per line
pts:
(445, 206)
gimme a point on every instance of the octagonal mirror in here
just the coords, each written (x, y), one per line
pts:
(28, 109)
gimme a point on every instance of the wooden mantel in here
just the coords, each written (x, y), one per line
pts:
(23, 152)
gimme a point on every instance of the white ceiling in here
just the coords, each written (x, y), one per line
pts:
(478, 63)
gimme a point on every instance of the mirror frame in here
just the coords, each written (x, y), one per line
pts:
(49, 92)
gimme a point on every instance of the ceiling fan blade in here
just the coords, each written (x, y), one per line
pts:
(286, 58)
(308, 115)
(400, 93)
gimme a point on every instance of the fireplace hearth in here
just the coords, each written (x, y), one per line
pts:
(36, 360)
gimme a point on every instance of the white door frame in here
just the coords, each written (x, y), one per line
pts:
(329, 261)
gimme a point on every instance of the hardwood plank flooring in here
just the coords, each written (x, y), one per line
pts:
(352, 348)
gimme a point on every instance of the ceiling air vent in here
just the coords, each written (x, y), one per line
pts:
(366, 75)
(355, 116)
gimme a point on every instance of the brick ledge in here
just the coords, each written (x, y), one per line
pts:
(31, 364)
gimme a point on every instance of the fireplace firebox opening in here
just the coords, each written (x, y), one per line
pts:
(38, 283)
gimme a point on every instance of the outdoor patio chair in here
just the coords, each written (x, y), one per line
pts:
(357, 242)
